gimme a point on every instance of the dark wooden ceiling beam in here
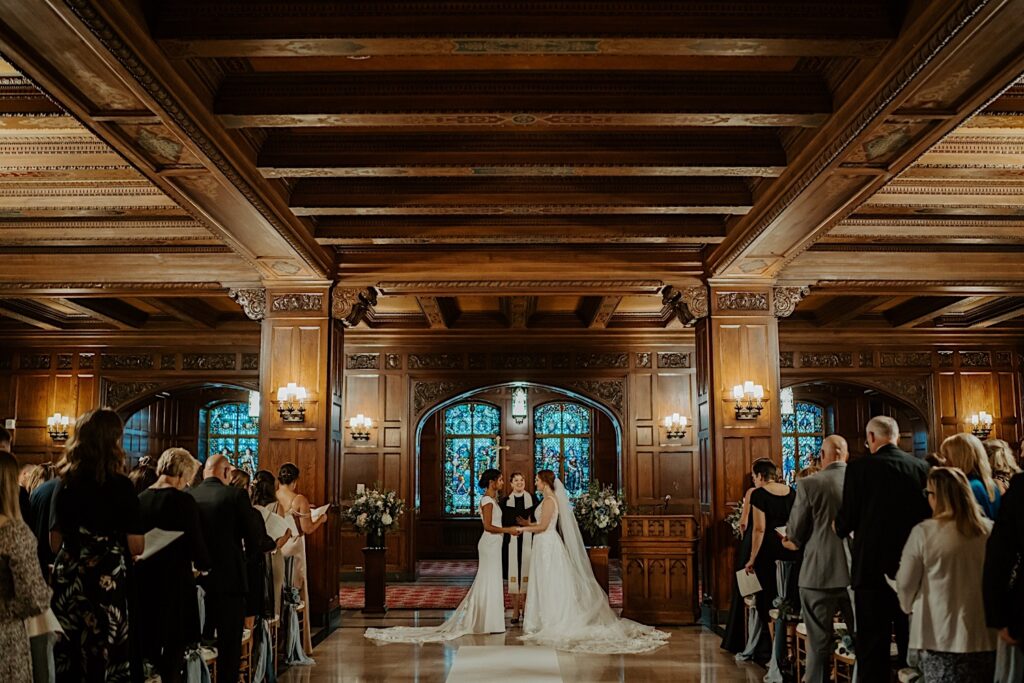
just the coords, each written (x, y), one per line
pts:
(843, 163)
(523, 99)
(114, 312)
(923, 309)
(845, 308)
(1011, 310)
(337, 153)
(16, 311)
(597, 311)
(195, 312)
(441, 311)
(414, 196)
(212, 29)
(518, 310)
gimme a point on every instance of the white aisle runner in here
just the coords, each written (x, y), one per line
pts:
(507, 663)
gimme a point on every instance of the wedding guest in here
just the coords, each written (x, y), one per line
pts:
(264, 499)
(966, 452)
(939, 584)
(1002, 587)
(95, 529)
(882, 502)
(169, 613)
(23, 591)
(5, 440)
(40, 500)
(258, 599)
(516, 551)
(1002, 461)
(770, 504)
(142, 477)
(297, 505)
(40, 475)
(25, 475)
(734, 639)
(824, 572)
(225, 514)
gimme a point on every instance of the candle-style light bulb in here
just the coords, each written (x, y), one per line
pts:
(748, 387)
(737, 392)
(758, 391)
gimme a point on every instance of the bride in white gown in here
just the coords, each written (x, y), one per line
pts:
(565, 607)
(483, 608)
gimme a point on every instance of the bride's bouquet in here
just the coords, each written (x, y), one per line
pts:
(375, 512)
(599, 511)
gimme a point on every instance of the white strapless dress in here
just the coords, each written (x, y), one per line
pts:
(566, 608)
(483, 608)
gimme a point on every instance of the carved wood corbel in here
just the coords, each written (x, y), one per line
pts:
(689, 304)
(349, 305)
(253, 301)
(786, 299)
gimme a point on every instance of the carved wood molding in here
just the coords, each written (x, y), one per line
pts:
(742, 301)
(515, 286)
(689, 304)
(116, 394)
(611, 392)
(350, 305)
(362, 361)
(297, 302)
(426, 394)
(786, 299)
(209, 361)
(252, 300)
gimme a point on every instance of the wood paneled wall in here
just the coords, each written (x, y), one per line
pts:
(397, 385)
(36, 382)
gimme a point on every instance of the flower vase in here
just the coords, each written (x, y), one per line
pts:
(375, 539)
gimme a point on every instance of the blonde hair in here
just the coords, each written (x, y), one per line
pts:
(1001, 458)
(9, 471)
(808, 471)
(965, 452)
(955, 501)
(177, 462)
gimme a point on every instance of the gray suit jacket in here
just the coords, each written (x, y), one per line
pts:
(818, 498)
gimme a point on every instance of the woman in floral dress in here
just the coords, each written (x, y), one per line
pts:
(95, 530)
(23, 592)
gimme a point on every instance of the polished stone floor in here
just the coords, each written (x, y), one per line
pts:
(691, 655)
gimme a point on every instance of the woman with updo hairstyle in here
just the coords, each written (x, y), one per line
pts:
(294, 504)
(483, 608)
(168, 611)
(96, 528)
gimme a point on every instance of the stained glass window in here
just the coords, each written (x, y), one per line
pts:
(232, 432)
(802, 433)
(470, 440)
(562, 443)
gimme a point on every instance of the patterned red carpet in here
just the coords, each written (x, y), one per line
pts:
(442, 585)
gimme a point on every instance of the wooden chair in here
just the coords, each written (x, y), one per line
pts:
(303, 624)
(210, 658)
(245, 666)
(800, 660)
(274, 626)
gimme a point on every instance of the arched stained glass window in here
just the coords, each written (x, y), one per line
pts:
(803, 430)
(232, 432)
(470, 437)
(562, 443)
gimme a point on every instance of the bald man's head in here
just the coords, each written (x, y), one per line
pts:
(834, 449)
(218, 466)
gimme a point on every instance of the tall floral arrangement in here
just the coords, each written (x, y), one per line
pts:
(375, 512)
(599, 511)
(733, 519)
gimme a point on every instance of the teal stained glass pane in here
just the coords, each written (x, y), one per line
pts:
(486, 419)
(576, 467)
(547, 419)
(458, 477)
(485, 456)
(458, 420)
(788, 457)
(546, 454)
(224, 445)
(808, 418)
(809, 447)
(248, 425)
(575, 419)
(789, 423)
(224, 418)
(248, 455)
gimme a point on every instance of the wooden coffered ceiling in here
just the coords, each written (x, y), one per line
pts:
(524, 145)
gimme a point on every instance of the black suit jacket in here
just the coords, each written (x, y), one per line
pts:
(1004, 602)
(883, 499)
(227, 520)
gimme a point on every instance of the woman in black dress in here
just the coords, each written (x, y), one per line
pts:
(258, 601)
(770, 504)
(95, 530)
(168, 608)
(734, 639)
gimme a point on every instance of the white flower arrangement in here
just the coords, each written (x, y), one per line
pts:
(599, 511)
(375, 511)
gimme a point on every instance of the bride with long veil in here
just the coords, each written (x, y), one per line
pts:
(565, 607)
(483, 608)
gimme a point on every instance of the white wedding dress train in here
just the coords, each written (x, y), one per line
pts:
(483, 608)
(565, 607)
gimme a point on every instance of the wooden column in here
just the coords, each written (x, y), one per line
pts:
(739, 341)
(298, 336)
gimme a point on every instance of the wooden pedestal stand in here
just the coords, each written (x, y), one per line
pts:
(599, 562)
(374, 584)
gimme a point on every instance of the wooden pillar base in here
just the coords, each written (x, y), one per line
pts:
(374, 584)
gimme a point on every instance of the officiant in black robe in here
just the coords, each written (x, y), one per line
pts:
(516, 550)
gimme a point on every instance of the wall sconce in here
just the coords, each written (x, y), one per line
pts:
(981, 424)
(289, 403)
(519, 405)
(359, 426)
(749, 398)
(57, 427)
(675, 426)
